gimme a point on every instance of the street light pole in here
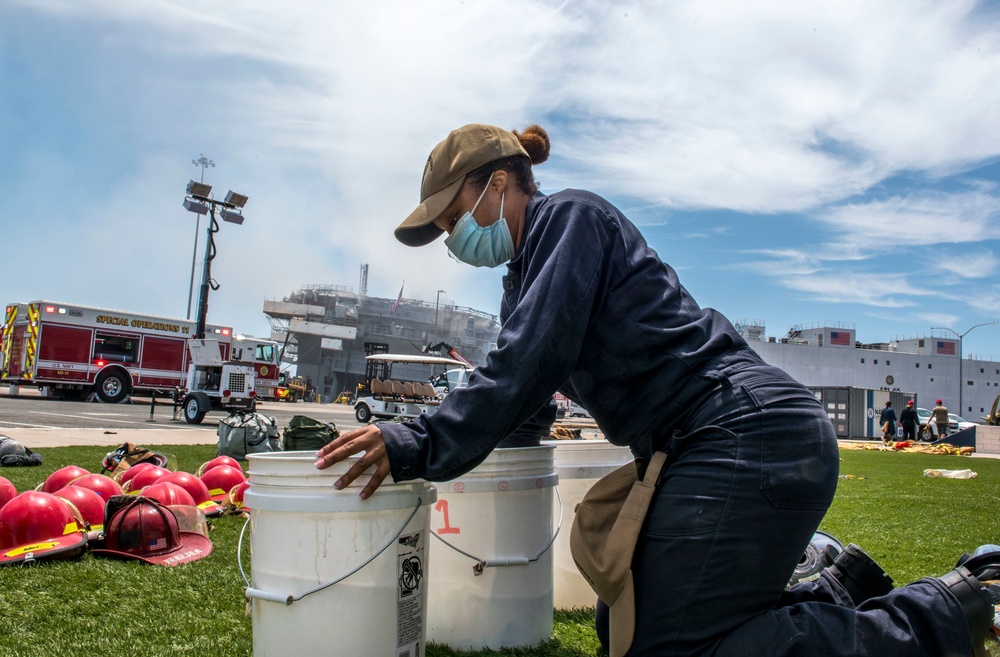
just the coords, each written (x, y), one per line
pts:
(961, 357)
(202, 162)
(199, 201)
(436, 303)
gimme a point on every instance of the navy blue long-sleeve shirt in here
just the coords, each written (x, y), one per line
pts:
(590, 310)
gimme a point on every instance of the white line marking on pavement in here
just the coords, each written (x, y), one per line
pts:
(25, 424)
(84, 417)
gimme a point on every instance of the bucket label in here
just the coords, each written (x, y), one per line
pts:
(410, 560)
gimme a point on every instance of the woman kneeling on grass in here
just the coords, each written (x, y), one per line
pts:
(591, 311)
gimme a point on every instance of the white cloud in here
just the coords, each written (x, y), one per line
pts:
(856, 288)
(324, 114)
(679, 104)
(971, 265)
(918, 219)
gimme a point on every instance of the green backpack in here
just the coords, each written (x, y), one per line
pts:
(304, 433)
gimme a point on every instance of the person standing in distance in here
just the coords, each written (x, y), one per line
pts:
(590, 310)
(908, 420)
(939, 416)
(887, 420)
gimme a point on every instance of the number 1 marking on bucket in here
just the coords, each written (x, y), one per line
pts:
(442, 506)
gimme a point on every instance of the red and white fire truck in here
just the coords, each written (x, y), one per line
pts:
(74, 350)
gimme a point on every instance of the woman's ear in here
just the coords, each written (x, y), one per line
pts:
(500, 180)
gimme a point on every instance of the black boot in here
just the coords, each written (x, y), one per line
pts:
(984, 563)
(860, 575)
(977, 603)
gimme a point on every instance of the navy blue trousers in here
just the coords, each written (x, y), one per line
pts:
(749, 481)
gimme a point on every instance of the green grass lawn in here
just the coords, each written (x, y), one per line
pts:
(913, 525)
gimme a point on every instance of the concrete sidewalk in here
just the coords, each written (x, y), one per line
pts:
(34, 438)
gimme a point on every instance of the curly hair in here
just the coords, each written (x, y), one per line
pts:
(535, 141)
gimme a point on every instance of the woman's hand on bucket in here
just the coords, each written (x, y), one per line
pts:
(366, 439)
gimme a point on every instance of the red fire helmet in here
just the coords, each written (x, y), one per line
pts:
(168, 494)
(196, 488)
(235, 498)
(125, 476)
(221, 479)
(35, 526)
(88, 504)
(103, 485)
(146, 530)
(217, 461)
(7, 491)
(145, 478)
(62, 478)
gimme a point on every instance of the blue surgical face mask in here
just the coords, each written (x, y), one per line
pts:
(478, 246)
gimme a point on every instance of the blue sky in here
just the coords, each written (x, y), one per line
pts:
(795, 162)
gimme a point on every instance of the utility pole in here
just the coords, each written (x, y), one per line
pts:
(961, 356)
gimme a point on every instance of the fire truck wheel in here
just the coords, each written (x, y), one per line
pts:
(112, 387)
(193, 411)
(362, 413)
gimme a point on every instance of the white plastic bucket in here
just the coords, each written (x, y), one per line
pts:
(305, 534)
(500, 516)
(579, 463)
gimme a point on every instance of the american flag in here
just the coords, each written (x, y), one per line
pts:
(946, 348)
(395, 304)
(840, 337)
(158, 543)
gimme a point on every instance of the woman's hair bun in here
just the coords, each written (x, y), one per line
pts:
(535, 141)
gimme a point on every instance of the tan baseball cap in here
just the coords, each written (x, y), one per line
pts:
(465, 150)
(603, 538)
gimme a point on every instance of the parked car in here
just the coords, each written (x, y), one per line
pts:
(923, 415)
(959, 421)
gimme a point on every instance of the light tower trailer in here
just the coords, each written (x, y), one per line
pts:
(214, 384)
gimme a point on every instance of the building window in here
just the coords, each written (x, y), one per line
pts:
(969, 383)
(918, 365)
(929, 366)
(982, 371)
(862, 360)
(920, 344)
(875, 361)
(887, 363)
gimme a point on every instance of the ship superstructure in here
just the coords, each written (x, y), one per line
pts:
(328, 330)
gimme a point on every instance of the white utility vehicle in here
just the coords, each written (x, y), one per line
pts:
(387, 397)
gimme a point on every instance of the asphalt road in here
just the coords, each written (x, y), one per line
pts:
(28, 410)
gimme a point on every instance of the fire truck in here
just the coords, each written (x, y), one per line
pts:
(264, 354)
(76, 350)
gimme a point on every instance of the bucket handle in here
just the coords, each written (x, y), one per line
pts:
(483, 564)
(288, 599)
